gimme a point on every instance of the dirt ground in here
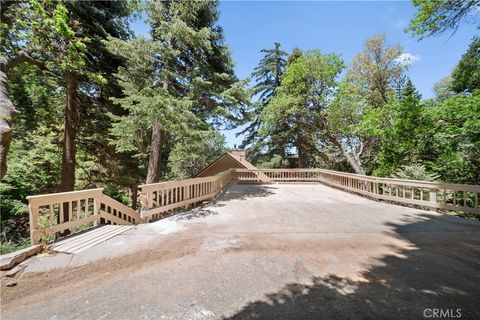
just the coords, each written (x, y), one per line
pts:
(264, 252)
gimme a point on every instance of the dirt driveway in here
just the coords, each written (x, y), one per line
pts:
(264, 252)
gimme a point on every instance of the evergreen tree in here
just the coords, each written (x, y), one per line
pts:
(267, 76)
(466, 75)
(179, 82)
(38, 33)
(405, 133)
(306, 92)
(89, 85)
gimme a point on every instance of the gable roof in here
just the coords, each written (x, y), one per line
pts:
(240, 160)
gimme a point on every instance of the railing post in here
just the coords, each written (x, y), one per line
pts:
(96, 210)
(433, 199)
(33, 215)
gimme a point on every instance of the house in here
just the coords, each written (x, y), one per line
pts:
(235, 159)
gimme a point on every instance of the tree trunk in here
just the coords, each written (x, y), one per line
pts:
(154, 162)
(299, 145)
(7, 113)
(356, 166)
(67, 182)
(134, 196)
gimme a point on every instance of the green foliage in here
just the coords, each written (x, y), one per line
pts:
(443, 88)
(404, 130)
(306, 92)
(275, 161)
(377, 71)
(415, 171)
(182, 79)
(31, 172)
(35, 27)
(10, 246)
(438, 16)
(195, 152)
(44, 223)
(466, 76)
(457, 138)
(267, 76)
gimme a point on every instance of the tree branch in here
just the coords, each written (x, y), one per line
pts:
(21, 57)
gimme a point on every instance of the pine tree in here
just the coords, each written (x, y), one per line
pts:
(38, 33)
(306, 92)
(89, 84)
(267, 76)
(180, 81)
(405, 135)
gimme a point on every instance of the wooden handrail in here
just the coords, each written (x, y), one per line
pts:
(75, 210)
(435, 195)
(54, 213)
(159, 198)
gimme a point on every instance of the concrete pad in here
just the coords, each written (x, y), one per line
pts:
(265, 252)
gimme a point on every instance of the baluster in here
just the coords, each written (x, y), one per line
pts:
(61, 218)
(51, 213)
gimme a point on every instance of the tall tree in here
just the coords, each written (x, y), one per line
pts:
(88, 82)
(377, 70)
(181, 80)
(306, 92)
(438, 16)
(35, 32)
(267, 76)
(344, 118)
(405, 131)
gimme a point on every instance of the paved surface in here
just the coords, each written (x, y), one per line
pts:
(264, 252)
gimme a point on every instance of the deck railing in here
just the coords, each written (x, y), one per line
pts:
(51, 214)
(159, 198)
(448, 196)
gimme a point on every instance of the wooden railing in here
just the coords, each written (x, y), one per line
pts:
(159, 198)
(448, 196)
(51, 214)
(276, 175)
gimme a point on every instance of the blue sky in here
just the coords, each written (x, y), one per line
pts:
(333, 27)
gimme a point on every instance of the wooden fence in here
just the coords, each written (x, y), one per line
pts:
(448, 196)
(52, 214)
(158, 198)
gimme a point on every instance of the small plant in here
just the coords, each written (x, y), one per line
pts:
(43, 224)
(10, 246)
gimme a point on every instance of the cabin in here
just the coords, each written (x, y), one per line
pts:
(235, 159)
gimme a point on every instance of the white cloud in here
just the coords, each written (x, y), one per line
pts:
(407, 58)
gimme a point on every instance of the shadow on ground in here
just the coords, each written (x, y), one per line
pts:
(441, 271)
(233, 192)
